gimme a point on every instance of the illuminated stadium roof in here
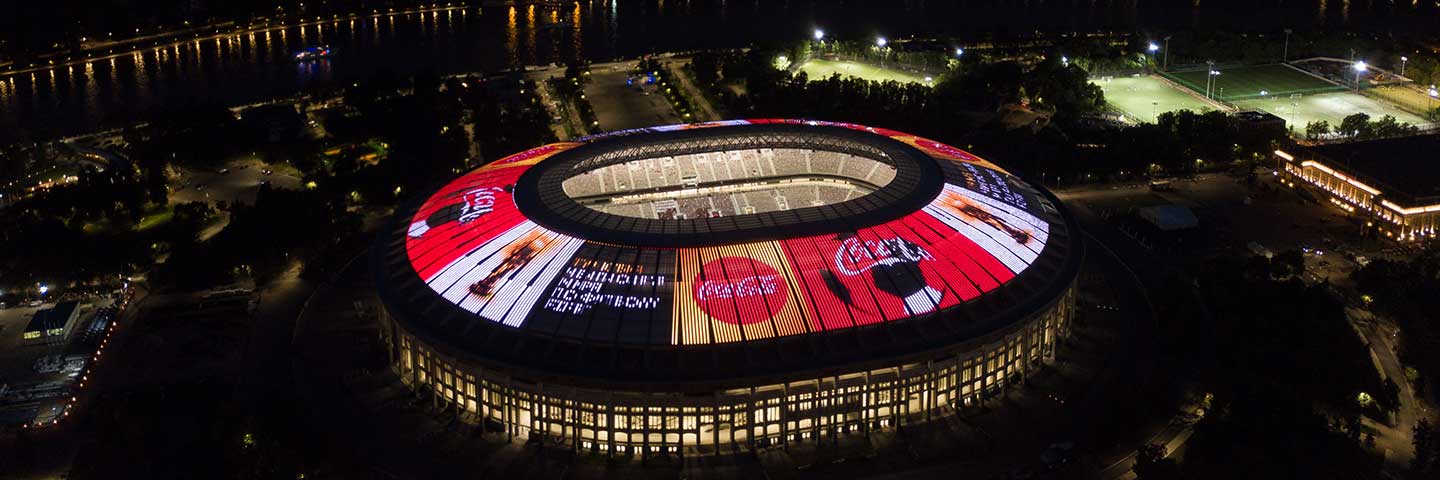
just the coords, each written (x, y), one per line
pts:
(710, 251)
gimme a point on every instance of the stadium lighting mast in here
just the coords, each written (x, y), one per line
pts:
(1166, 65)
(1285, 54)
(880, 43)
(1430, 104)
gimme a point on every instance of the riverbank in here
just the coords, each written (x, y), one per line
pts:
(91, 51)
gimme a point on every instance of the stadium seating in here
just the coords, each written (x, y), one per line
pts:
(728, 183)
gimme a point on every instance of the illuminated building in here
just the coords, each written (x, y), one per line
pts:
(707, 288)
(1390, 182)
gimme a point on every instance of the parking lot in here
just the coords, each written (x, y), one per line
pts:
(620, 106)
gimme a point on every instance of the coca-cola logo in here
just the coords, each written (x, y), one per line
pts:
(740, 290)
(893, 265)
(477, 202)
(857, 256)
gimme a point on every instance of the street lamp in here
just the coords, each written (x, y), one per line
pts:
(819, 34)
(1064, 60)
(1153, 47)
(1360, 68)
(1403, 60)
(959, 52)
(880, 42)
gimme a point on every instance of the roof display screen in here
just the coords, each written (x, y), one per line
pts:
(471, 245)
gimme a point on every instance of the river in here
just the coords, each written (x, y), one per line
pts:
(246, 68)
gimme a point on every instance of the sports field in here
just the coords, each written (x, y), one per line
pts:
(1331, 107)
(1410, 97)
(818, 69)
(1144, 98)
(1240, 83)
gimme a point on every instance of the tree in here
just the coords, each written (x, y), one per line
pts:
(1357, 126)
(1287, 263)
(1316, 129)
(1152, 464)
(1427, 450)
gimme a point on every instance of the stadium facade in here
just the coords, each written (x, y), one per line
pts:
(1380, 180)
(706, 288)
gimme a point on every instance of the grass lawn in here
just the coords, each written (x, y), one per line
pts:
(1238, 83)
(1331, 107)
(155, 218)
(818, 69)
(1411, 97)
(1144, 98)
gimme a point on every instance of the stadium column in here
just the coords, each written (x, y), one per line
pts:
(866, 403)
(481, 409)
(1025, 351)
(750, 421)
(837, 417)
(507, 412)
(956, 387)
(645, 432)
(785, 415)
(610, 425)
(925, 391)
(573, 418)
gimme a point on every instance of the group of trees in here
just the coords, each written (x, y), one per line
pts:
(1283, 372)
(571, 89)
(1359, 127)
(419, 124)
(1405, 291)
(977, 107)
(959, 101)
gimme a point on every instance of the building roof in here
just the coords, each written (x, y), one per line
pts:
(52, 318)
(1407, 168)
(497, 267)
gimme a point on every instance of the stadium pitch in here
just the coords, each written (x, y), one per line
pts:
(1144, 98)
(819, 69)
(1332, 107)
(1247, 82)
(1409, 97)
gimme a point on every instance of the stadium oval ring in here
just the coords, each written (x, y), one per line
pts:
(658, 320)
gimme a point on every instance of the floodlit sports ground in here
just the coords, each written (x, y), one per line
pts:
(1409, 96)
(818, 69)
(1243, 82)
(1331, 107)
(1145, 98)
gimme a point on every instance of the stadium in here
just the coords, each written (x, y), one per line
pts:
(711, 288)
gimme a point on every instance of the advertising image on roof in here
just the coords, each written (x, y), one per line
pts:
(471, 245)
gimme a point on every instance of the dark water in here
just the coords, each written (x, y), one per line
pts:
(242, 69)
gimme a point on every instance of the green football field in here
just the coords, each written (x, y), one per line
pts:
(1331, 107)
(818, 69)
(1145, 98)
(1240, 83)
(1411, 97)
